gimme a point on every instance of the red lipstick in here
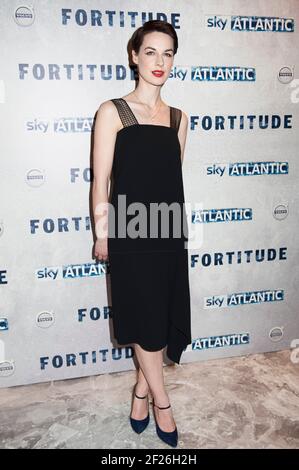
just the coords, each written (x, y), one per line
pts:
(158, 73)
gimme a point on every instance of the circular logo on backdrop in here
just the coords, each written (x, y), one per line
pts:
(7, 368)
(35, 177)
(24, 15)
(286, 74)
(276, 333)
(281, 211)
(45, 319)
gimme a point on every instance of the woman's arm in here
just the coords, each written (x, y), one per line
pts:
(182, 133)
(104, 141)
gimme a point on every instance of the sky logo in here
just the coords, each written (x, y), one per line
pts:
(251, 23)
(73, 125)
(262, 23)
(247, 168)
(223, 74)
(72, 271)
(221, 215)
(243, 298)
(179, 72)
(213, 342)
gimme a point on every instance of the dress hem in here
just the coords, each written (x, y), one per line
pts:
(147, 251)
(177, 356)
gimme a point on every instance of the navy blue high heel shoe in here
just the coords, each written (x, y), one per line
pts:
(139, 425)
(170, 438)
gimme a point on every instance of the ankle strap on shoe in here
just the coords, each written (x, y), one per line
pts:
(141, 398)
(162, 407)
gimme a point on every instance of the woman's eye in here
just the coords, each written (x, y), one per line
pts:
(152, 52)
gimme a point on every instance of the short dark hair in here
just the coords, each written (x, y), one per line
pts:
(149, 27)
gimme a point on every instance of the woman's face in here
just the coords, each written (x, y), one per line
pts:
(156, 54)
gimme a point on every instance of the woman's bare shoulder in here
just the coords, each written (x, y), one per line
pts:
(107, 107)
(107, 111)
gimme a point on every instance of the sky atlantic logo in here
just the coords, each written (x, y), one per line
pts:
(73, 271)
(237, 299)
(242, 23)
(222, 215)
(73, 125)
(212, 73)
(215, 342)
(266, 168)
(222, 74)
(63, 125)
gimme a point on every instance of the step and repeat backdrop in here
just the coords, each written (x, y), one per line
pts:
(236, 77)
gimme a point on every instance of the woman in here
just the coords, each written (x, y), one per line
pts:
(141, 140)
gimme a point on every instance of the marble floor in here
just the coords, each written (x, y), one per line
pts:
(240, 402)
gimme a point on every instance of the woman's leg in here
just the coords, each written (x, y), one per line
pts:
(143, 386)
(151, 376)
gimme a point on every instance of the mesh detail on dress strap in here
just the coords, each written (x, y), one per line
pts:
(175, 118)
(125, 113)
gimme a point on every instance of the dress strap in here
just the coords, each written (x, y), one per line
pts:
(126, 115)
(128, 118)
(175, 118)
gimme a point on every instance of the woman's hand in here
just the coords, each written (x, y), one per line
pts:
(101, 249)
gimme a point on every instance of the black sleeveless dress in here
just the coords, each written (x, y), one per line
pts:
(148, 274)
